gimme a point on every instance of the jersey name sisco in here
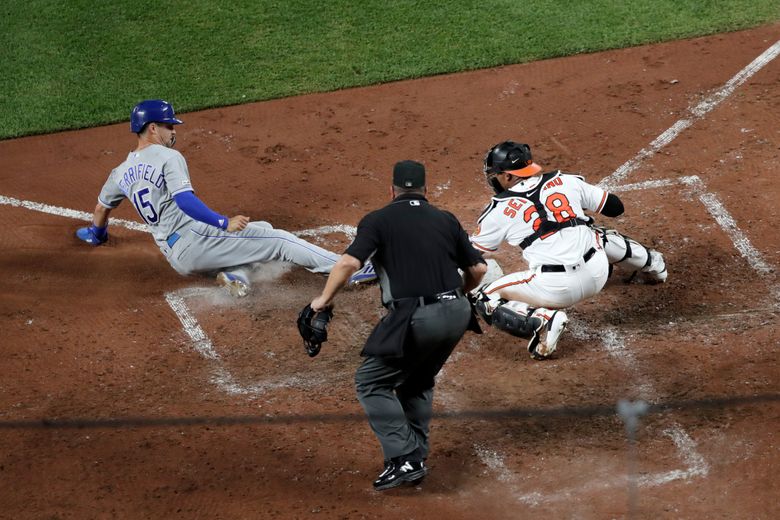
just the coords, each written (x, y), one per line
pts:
(150, 178)
(512, 216)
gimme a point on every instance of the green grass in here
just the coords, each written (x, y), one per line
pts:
(76, 63)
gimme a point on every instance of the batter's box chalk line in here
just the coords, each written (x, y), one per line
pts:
(694, 114)
(694, 466)
(719, 213)
(221, 376)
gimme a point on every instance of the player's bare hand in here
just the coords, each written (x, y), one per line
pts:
(237, 223)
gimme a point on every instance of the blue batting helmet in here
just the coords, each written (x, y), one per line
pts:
(152, 111)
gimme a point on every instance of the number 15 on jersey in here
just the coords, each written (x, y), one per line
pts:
(144, 207)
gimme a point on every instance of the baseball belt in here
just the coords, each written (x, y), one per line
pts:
(562, 269)
(436, 298)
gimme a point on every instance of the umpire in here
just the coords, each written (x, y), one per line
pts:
(416, 250)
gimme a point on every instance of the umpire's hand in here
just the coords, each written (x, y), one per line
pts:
(320, 304)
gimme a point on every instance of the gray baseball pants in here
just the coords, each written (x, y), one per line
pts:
(397, 395)
(204, 248)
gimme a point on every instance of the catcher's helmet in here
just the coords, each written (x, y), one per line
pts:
(152, 111)
(511, 157)
(508, 157)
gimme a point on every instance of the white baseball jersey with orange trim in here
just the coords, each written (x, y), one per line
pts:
(512, 216)
(565, 266)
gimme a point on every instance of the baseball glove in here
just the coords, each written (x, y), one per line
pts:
(313, 327)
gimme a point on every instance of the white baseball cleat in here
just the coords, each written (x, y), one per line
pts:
(656, 271)
(545, 340)
(235, 284)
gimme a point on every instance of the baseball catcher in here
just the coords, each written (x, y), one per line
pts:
(569, 260)
(313, 327)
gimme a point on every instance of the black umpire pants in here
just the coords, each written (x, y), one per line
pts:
(397, 394)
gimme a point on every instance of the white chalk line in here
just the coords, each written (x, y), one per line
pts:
(646, 185)
(65, 212)
(696, 112)
(696, 467)
(200, 341)
(222, 377)
(717, 210)
(724, 219)
(59, 211)
(349, 231)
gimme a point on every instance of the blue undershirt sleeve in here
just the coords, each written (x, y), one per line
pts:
(195, 208)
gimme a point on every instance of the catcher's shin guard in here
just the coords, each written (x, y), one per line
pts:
(624, 251)
(515, 323)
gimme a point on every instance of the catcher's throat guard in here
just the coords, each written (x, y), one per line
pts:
(313, 327)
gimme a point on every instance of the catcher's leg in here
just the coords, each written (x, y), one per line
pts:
(633, 256)
(541, 327)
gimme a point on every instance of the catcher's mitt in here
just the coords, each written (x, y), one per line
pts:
(313, 327)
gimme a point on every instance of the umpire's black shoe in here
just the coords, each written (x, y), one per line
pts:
(398, 471)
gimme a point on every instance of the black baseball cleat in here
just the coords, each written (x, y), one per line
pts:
(398, 471)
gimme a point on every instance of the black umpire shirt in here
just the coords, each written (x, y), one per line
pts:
(417, 248)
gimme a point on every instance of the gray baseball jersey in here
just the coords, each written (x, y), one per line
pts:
(151, 177)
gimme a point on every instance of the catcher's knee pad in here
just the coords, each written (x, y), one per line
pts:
(515, 323)
(624, 251)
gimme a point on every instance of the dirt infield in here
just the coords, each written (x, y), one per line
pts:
(688, 143)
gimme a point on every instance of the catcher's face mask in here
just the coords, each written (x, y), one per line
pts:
(493, 182)
(491, 172)
(313, 327)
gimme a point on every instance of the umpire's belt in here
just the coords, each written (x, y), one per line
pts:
(562, 269)
(428, 300)
(172, 239)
